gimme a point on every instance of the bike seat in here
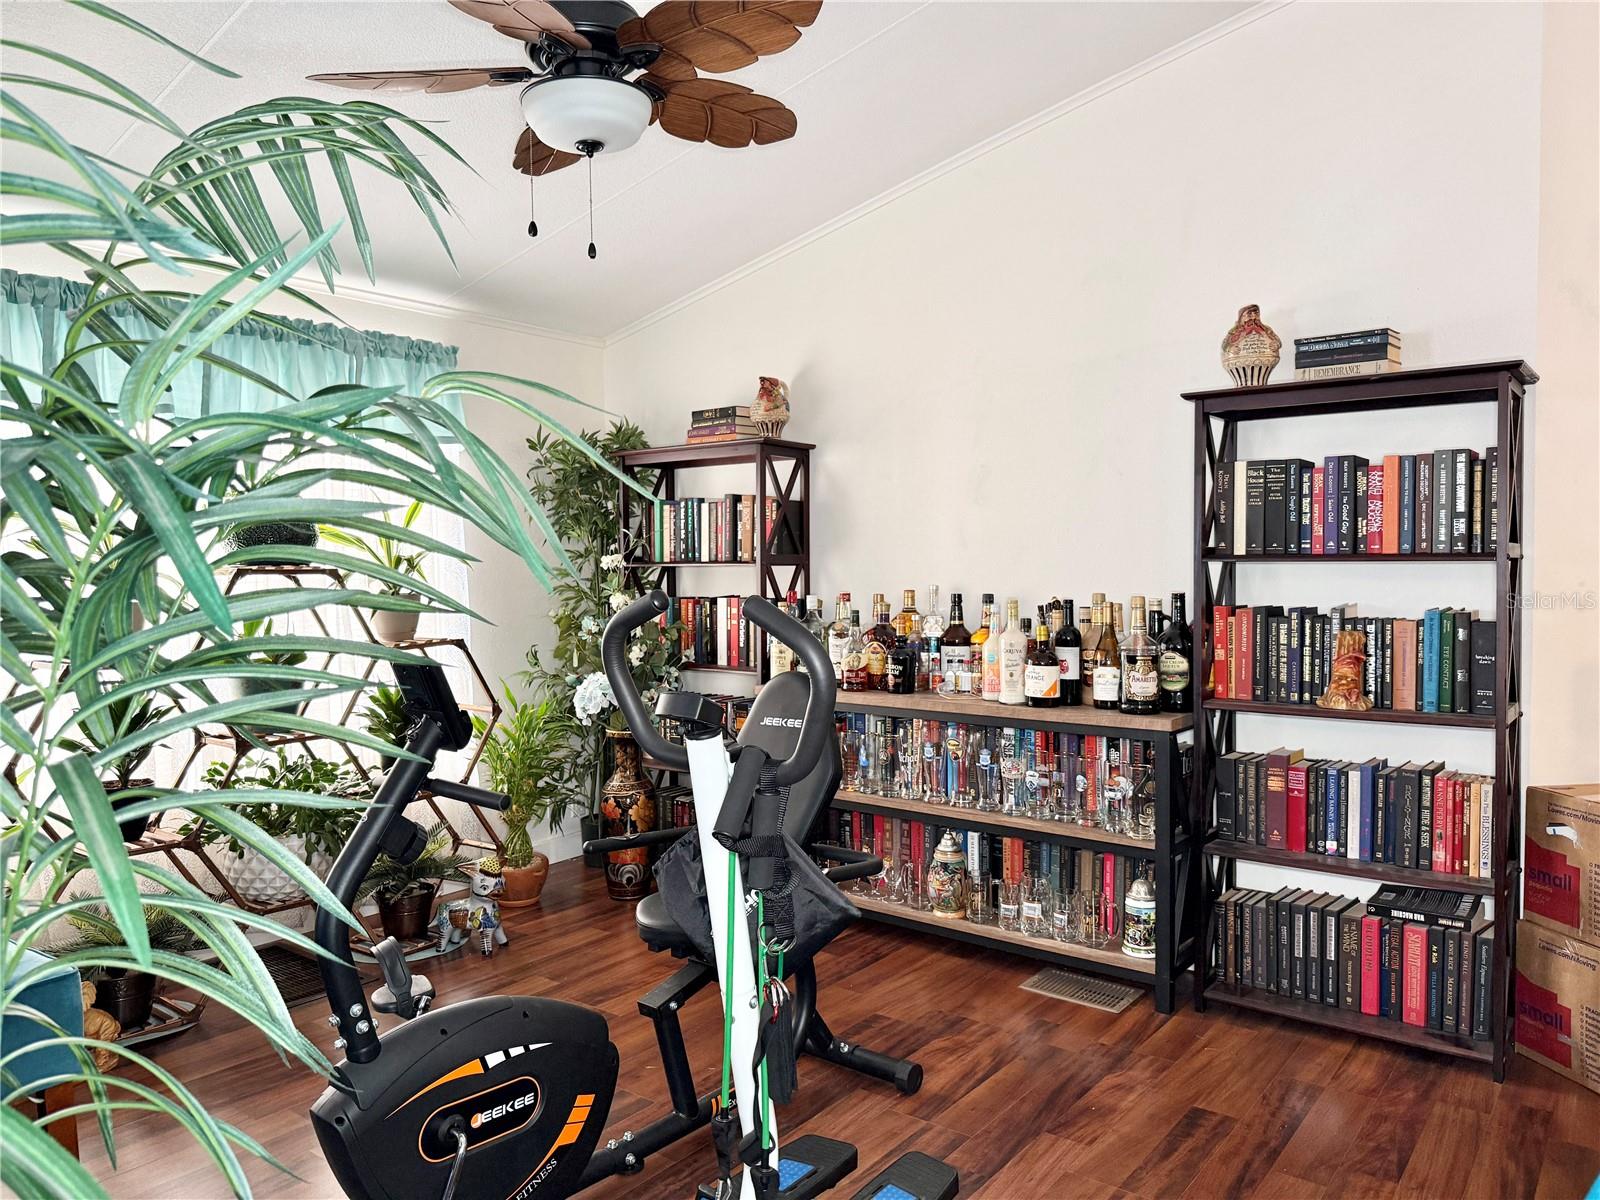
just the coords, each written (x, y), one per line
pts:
(658, 930)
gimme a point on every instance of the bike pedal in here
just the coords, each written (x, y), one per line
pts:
(913, 1176)
(811, 1165)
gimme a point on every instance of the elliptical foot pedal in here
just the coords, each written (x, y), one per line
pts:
(809, 1166)
(913, 1176)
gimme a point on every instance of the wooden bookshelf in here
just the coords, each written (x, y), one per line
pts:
(1175, 850)
(1218, 415)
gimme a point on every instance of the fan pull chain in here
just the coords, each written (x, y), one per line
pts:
(591, 205)
(533, 225)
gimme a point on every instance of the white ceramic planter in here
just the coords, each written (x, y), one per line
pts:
(261, 881)
(390, 626)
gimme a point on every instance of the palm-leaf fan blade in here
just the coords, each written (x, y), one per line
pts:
(718, 36)
(527, 20)
(533, 157)
(443, 79)
(722, 113)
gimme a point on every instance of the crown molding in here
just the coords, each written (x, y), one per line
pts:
(439, 309)
(1054, 113)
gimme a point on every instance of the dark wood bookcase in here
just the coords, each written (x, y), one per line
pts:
(1217, 416)
(783, 474)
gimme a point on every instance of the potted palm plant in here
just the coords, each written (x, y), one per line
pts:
(389, 625)
(125, 993)
(530, 757)
(119, 720)
(385, 718)
(405, 892)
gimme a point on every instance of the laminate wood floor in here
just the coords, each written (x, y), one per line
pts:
(1026, 1096)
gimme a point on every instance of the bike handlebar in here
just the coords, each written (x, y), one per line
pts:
(614, 657)
(467, 794)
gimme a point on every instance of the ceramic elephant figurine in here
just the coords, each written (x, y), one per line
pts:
(451, 924)
(484, 908)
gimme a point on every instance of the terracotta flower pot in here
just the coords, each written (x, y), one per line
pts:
(126, 995)
(406, 917)
(525, 884)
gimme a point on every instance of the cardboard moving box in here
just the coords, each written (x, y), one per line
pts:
(1558, 1003)
(1561, 859)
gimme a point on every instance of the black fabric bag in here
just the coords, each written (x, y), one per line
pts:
(821, 911)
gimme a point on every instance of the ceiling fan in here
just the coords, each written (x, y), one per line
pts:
(600, 74)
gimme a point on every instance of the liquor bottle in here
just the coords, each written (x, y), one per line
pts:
(956, 649)
(1013, 655)
(1091, 637)
(1069, 657)
(1116, 620)
(991, 653)
(1141, 686)
(813, 619)
(932, 631)
(779, 657)
(908, 621)
(1107, 662)
(1154, 621)
(1041, 677)
(839, 635)
(878, 639)
(901, 674)
(1173, 662)
(854, 677)
(980, 636)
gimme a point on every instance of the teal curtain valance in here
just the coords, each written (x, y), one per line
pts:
(300, 356)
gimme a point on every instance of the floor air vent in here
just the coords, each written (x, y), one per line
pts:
(1077, 988)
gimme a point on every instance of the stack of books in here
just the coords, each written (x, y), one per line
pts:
(1415, 955)
(1414, 815)
(1441, 662)
(725, 424)
(1437, 502)
(714, 632)
(1336, 355)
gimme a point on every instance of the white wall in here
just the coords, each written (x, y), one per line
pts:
(991, 362)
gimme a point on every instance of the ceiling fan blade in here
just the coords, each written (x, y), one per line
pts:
(528, 20)
(717, 35)
(533, 157)
(720, 112)
(444, 79)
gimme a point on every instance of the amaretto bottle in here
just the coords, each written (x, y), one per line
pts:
(1140, 681)
(1013, 656)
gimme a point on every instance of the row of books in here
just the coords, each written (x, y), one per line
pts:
(726, 424)
(1446, 502)
(702, 529)
(1441, 662)
(1412, 955)
(1409, 814)
(714, 632)
(993, 859)
(1336, 355)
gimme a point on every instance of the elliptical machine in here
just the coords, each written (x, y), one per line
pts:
(506, 1096)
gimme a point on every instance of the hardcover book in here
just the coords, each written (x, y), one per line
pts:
(1371, 927)
(1351, 961)
(1423, 533)
(1255, 477)
(1483, 652)
(1222, 512)
(1434, 983)
(1429, 906)
(1415, 973)
(1376, 500)
(1275, 507)
(1461, 663)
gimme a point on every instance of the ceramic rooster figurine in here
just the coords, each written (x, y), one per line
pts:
(770, 412)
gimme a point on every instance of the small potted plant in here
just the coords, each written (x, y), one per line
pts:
(237, 687)
(529, 756)
(385, 717)
(118, 720)
(286, 534)
(389, 625)
(405, 892)
(127, 994)
(315, 835)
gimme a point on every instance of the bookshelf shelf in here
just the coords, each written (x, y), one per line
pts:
(1329, 864)
(1081, 718)
(1108, 959)
(992, 822)
(1352, 1022)
(783, 475)
(1218, 416)
(1390, 715)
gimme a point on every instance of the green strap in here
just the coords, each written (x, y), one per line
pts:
(727, 991)
(761, 992)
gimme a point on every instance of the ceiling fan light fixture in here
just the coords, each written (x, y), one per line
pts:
(568, 110)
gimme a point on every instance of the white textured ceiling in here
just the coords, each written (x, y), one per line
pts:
(883, 92)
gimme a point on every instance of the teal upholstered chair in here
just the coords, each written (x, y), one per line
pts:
(57, 994)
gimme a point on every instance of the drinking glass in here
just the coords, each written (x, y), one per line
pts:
(1011, 772)
(1064, 919)
(1116, 811)
(907, 759)
(988, 781)
(1011, 907)
(1142, 805)
(867, 763)
(980, 908)
(1036, 793)
(1038, 904)
(933, 766)
(1088, 774)
(956, 746)
(850, 760)
(1098, 923)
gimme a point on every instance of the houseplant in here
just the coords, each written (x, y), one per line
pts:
(122, 718)
(313, 835)
(405, 892)
(531, 756)
(126, 993)
(116, 505)
(384, 717)
(390, 625)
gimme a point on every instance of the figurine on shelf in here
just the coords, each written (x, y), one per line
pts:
(100, 1025)
(1344, 688)
(450, 925)
(483, 910)
(1250, 350)
(770, 412)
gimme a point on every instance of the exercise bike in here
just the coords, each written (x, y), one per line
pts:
(507, 1096)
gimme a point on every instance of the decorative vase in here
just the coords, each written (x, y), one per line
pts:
(770, 412)
(1250, 350)
(524, 885)
(588, 831)
(127, 995)
(390, 625)
(274, 533)
(405, 917)
(947, 880)
(628, 806)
